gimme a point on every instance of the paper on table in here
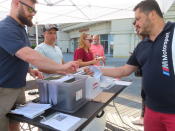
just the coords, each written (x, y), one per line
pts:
(124, 83)
(63, 122)
(31, 110)
(97, 73)
(106, 82)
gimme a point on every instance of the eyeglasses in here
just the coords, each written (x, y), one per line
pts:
(30, 9)
(90, 41)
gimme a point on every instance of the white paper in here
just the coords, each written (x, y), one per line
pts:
(92, 88)
(31, 110)
(97, 73)
(79, 95)
(53, 95)
(124, 83)
(80, 71)
(61, 121)
(107, 82)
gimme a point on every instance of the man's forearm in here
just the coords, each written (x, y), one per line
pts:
(41, 62)
(113, 72)
(47, 65)
(121, 71)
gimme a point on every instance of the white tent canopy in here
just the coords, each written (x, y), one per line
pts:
(69, 11)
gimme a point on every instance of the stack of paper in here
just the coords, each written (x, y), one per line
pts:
(107, 82)
(52, 95)
(124, 83)
(43, 92)
(63, 122)
(31, 110)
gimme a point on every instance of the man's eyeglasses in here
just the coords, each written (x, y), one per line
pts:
(90, 41)
(30, 9)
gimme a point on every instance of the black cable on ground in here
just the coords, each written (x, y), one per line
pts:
(121, 117)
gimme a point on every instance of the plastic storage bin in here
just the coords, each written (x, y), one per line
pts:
(66, 96)
(92, 88)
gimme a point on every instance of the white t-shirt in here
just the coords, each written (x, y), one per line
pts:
(52, 52)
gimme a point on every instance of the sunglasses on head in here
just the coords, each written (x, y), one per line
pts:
(30, 9)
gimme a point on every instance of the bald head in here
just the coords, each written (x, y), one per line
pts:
(96, 39)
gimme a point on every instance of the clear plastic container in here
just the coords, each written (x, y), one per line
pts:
(67, 96)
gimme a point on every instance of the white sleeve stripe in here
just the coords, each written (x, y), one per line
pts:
(173, 50)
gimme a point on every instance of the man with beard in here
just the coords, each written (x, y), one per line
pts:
(156, 57)
(15, 54)
(138, 73)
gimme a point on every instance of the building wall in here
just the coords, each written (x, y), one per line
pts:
(121, 34)
(32, 34)
(100, 28)
(124, 38)
(170, 15)
(122, 31)
(67, 42)
(63, 41)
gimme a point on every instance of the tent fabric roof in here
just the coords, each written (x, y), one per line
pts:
(70, 11)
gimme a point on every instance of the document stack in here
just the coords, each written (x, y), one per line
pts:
(107, 82)
(31, 110)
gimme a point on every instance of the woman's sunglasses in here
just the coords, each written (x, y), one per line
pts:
(90, 40)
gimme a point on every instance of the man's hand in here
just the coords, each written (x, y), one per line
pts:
(95, 61)
(35, 73)
(71, 67)
(101, 58)
(88, 71)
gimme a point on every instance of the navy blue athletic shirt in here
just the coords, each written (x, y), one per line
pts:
(13, 70)
(157, 61)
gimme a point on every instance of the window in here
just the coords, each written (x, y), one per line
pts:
(104, 42)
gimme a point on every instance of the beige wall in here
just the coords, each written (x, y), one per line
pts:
(63, 40)
(125, 38)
